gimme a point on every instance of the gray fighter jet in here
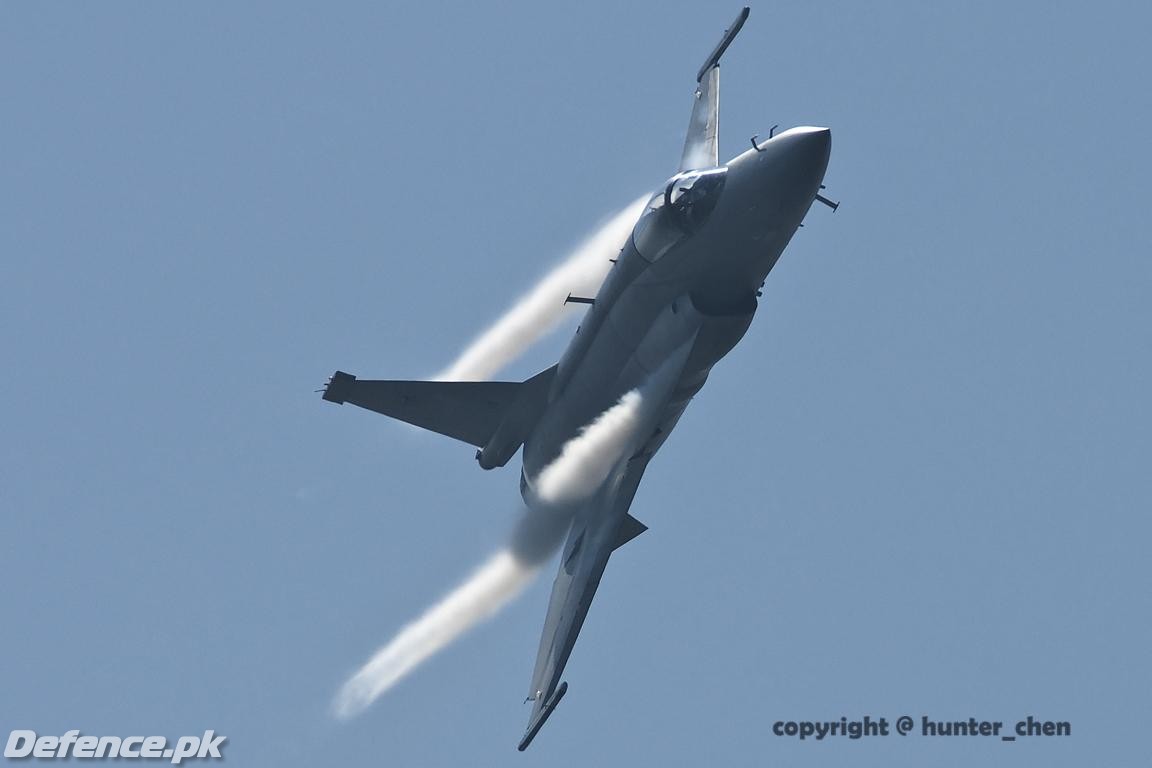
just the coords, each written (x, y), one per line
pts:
(681, 294)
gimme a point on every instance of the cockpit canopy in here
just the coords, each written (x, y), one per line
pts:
(677, 211)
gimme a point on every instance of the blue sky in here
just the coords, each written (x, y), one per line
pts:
(919, 486)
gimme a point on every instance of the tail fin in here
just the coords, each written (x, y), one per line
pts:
(494, 416)
(700, 145)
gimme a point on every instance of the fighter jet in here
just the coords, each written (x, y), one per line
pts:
(681, 294)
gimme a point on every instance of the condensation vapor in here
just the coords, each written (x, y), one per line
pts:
(539, 310)
(484, 593)
(582, 466)
(584, 463)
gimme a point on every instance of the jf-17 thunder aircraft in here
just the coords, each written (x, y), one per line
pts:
(680, 295)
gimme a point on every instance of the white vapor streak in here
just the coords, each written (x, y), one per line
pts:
(585, 461)
(583, 464)
(539, 310)
(479, 597)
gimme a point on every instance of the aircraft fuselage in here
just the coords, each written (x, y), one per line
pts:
(681, 295)
(701, 291)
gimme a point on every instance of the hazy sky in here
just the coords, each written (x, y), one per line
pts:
(921, 485)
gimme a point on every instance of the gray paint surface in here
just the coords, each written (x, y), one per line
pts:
(681, 294)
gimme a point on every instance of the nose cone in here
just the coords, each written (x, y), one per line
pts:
(806, 151)
(785, 171)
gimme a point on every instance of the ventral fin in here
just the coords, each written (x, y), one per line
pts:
(629, 529)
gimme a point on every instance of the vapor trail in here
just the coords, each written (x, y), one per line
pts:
(480, 596)
(541, 308)
(582, 466)
(584, 462)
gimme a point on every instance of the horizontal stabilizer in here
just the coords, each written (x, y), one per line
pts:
(470, 411)
(629, 529)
